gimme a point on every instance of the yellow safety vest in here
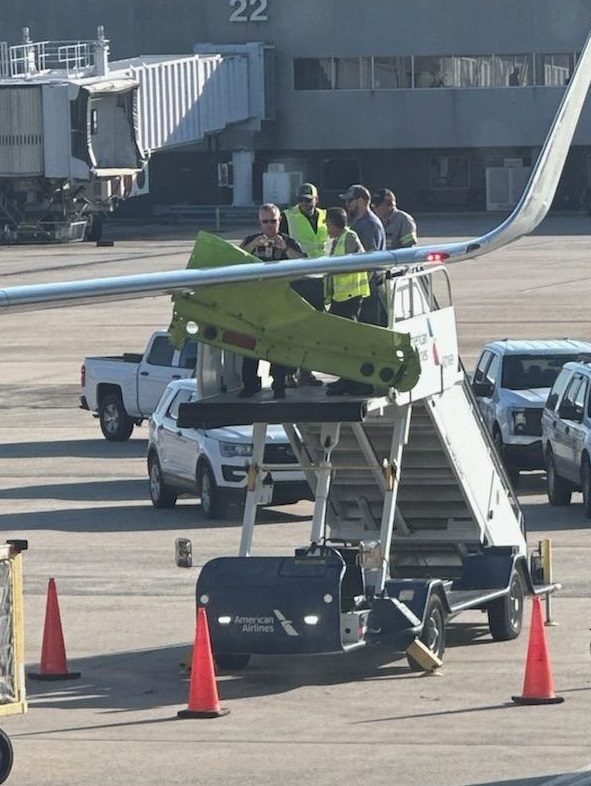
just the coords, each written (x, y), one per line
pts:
(346, 285)
(300, 229)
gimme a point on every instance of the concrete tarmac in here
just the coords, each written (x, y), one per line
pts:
(128, 612)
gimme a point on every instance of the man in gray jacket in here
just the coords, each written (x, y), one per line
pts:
(373, 237)
(400, 227)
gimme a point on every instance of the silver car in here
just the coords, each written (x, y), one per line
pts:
(212, 463)
(511, 382)
(566, 435)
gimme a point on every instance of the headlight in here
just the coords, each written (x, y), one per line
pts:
(233, 449)
(519, 421)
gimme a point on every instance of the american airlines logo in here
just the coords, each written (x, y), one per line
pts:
(286, 624)
(428, 349)
(265, 623)
(434, 348)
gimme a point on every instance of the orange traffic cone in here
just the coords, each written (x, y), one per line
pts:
(203, 692)
(54, 665)
(538, 686)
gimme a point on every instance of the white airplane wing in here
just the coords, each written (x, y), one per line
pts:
(530, 211)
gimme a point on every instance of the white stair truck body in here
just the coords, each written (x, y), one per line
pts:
(414, 517)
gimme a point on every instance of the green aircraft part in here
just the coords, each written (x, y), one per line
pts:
(266, 319)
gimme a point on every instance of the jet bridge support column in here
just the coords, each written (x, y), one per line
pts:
(242, 163)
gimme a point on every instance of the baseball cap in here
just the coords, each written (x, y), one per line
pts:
(307, 191)
(354, 192)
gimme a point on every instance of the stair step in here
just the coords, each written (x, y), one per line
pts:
(411, 493)
(427, 476)
(428, 458)
(419, 509)
(456, 531)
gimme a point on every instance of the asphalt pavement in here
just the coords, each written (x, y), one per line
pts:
(128, 612)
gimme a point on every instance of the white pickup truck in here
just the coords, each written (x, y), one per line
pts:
(123, 391)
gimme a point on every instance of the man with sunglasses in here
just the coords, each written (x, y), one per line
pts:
(306, 223)
(269, 245)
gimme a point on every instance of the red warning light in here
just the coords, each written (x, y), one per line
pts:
(437, 256)
(239, 339)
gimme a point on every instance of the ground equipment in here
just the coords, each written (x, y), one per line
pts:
(415, 519)
(12, 663)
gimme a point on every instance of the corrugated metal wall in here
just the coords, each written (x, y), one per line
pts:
(21, 131)
(182, 100)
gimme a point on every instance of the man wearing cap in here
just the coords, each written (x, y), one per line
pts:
(400, 227)
(367, 225)
(373, 238)
(306, 223)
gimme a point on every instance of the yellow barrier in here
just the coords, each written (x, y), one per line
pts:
(12, 644)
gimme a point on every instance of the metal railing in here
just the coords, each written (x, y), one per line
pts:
(33, 58)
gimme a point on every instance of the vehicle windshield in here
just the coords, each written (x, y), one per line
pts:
(521, 372)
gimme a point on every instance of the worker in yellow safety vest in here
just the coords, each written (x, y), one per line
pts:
(344, 292)
(306, 223)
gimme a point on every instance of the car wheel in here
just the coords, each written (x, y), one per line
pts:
(6, 756)
(161, 494)
(505, 615)
(212, 502)
(499, 444)
(116, 424)
(559, 489)
(512, 471)
(586, 486)
(94, 228)
(433, 633)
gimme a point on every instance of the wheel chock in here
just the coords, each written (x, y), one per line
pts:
(423, 656)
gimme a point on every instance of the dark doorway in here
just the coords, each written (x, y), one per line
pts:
(337, 175)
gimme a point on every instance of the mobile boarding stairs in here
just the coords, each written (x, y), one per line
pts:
(414, 517)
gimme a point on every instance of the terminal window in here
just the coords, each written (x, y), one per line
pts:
(427, 71)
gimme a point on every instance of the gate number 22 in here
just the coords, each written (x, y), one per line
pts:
(248, 11)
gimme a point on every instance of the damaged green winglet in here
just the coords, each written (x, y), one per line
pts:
(268, 320)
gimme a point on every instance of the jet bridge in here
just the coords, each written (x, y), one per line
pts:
(76, 131)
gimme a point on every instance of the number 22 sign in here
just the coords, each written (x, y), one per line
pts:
(248, 11)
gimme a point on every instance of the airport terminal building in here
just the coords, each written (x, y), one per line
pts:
(446, 103)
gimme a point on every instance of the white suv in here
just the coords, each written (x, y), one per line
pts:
(211, 463)
(511, 383)
(566, 435)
